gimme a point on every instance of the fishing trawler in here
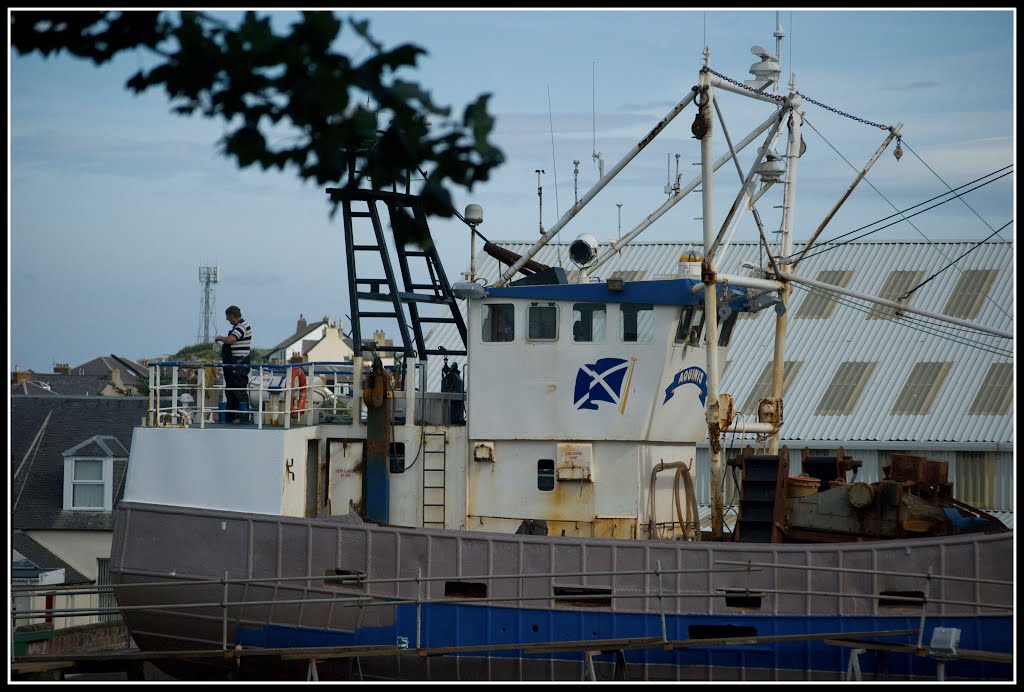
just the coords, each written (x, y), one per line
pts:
(532, 516)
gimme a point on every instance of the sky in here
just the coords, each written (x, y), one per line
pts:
(115, 203)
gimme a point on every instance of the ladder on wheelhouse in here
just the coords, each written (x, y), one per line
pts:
(364, 234)
(434, 462)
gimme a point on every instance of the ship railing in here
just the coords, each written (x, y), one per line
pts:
(655, 590)
(194, 394)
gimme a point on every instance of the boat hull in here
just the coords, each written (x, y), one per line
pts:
(459, 596)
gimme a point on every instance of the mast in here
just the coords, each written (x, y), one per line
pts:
(702, 130)
(793, 152)
(598, 186)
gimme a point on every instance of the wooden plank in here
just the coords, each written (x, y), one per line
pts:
(835, 636)
(850, 639)
(968, 654)
(42, 667)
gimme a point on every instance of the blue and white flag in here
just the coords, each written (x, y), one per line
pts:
(601, 381)
(692, 375)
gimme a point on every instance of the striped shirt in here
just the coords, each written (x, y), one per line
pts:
(243, 335)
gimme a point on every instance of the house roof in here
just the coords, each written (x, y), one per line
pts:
(847, 335)
(301, 334)
(98, 446)
(43, 559)
(104, 364)
(42, 430)
(59, 384)
(308, 343)
(88, 379)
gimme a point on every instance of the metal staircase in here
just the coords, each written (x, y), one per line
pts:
(763, 496)
(365, 238)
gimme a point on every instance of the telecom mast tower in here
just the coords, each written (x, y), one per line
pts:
(208, 276)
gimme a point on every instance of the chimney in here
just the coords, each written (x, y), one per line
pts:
(19, 376)
(115, 377)
(297, 358)
(301, 324)
(378, 337)
(62, 368)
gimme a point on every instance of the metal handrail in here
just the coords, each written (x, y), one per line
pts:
(853, 570)
(399, 580)
(742, 566)
(372, 599)
(174, 414)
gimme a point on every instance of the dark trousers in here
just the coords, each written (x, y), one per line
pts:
(236, 383)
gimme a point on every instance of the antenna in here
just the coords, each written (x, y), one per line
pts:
(474, 217)
(619, 205)
(575, 181)
(597, 156)
(779, 35)
(208, 277)
(540, 201)
(554, 169)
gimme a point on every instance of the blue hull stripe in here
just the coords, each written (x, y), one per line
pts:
(460, 625)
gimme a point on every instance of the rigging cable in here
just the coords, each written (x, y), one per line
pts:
(947, 185)
(961, 335)
(822, 250)
(554, 172)
(907, 218)
(832, 244)
(976, 246)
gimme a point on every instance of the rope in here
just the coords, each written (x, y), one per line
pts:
(692, 521)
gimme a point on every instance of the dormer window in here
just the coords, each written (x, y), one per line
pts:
(89, 474)
(87, 486)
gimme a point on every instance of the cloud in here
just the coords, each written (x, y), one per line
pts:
(909, 86)
(110, 154)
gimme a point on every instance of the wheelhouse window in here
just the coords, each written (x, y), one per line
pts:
(725, 328)
(589, 322)
(637, 322)
(498, 322)
(542, 322)
(691, 324)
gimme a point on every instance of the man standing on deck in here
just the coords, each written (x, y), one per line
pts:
(235, 355)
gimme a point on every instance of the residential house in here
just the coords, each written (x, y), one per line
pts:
(320, 341)
(69, 455)
(34, 567)
(124, 375)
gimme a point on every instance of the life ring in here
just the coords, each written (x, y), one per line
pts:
(298, 386)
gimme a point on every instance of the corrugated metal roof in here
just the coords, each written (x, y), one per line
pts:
(822, 345)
